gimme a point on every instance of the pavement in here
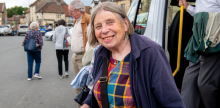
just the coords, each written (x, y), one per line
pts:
(17, 92)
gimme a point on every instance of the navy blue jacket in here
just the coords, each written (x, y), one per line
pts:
(152, 83)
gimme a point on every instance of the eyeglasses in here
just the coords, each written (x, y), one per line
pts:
(70, 12)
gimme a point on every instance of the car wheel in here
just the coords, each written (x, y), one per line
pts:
(51, 38)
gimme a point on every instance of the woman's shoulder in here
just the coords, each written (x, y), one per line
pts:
(140, 42)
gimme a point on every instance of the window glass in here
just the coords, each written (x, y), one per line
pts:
(141, 20)
(131, 14)
(42, 27)
(23, 26)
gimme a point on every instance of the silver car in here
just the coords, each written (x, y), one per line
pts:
(1, 30)
(8, 30)
(49, 35)
(22, 29)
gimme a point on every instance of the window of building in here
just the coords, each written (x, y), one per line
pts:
(140, 7)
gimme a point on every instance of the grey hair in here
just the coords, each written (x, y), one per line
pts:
(34, 25)
(111, 7)
(88, 34)
(77, 4)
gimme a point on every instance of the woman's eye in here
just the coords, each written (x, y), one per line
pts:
(97, 27)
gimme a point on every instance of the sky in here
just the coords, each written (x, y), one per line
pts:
(26, 3)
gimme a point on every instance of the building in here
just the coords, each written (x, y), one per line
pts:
(50, 13)
(68, 17)
(27, 16)
(3, 14)
(125, 4)
(96, 2)
(38, 5)
(16, 19)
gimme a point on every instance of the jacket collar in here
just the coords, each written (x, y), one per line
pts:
(138, 43)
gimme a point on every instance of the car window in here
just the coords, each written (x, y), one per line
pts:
(141, 20)
(42, 27)
(23, 26)
(6, 26)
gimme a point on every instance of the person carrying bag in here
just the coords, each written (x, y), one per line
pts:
(30, 44)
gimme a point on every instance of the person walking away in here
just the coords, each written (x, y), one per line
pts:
(79, 39)
(201, 78)
(61, 50)
(137, 75)
(31, 56)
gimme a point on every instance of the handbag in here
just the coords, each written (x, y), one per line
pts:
(30, 45)
(66, 41)
(83, 93)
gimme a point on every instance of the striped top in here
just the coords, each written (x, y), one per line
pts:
(119, 91)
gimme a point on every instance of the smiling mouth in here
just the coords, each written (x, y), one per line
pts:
(108, 38)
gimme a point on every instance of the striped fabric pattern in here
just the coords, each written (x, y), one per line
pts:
(119, 92)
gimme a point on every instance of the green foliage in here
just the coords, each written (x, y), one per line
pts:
(17, 10)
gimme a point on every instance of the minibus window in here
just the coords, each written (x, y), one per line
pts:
(131, 14)
(141, 20)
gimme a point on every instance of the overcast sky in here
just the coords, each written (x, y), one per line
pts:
(26, 3)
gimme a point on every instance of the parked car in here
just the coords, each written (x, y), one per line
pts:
(42, 29)
(1, 30)
(22, 29)
(8, 30)
(49, 35)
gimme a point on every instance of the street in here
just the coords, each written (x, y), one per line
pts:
(48, 92)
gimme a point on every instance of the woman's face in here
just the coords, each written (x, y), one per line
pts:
(109, 30)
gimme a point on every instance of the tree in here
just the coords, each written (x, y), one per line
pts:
(17, 10)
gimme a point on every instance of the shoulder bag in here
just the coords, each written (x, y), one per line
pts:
(83, 93)
(30, 45)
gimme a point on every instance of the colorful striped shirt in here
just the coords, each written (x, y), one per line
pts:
(119, 91)
(38, 38)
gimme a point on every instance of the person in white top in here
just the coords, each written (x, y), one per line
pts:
(201, 79)
(79, 38)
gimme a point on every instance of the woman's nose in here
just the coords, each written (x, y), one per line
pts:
(105, 29)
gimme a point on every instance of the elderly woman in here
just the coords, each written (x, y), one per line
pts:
(138, 74)
(31, 56)
(61, 51)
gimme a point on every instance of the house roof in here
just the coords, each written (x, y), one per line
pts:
(10, 19)
(28, 11)
(34, 3)
(50, 7)
(65, 9)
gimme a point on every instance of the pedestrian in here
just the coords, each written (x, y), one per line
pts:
(201, 78)
(79, 38)
(137, 75)
(49, 28)
(61, 50)
(31, 56)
